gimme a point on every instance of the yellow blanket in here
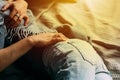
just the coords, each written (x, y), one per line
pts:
(96, 21)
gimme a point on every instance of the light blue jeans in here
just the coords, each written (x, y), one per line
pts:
(73, 59)
(3, 31)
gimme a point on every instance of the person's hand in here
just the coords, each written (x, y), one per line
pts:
(44, 39)
(18, 11)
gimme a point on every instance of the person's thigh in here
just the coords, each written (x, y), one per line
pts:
(74, 59)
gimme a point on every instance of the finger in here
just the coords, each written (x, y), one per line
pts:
(13, 13)
(15, 22)
(11, 22)
(13, 18)
(8, 25)
(55, 40)
(21, 18)
(60, 36)
(5, 7)
(63, 36)
(56, 35)
(26, 19)
(7, 19)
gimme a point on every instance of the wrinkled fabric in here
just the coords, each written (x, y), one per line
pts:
(82, 23)
(70, 58)
(96, 21)
(74, 60)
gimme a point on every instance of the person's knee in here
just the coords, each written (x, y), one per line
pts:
(86, 51)
(61, 54)
(71, 50)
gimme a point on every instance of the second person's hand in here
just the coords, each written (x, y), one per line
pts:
(45, 39)
(18, 12)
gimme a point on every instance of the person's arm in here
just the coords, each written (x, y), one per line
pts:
(10, 54)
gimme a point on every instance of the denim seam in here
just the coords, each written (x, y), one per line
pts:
(80, 53)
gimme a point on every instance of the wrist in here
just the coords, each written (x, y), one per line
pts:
(31, 40)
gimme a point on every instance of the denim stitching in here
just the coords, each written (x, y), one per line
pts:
(80, 53)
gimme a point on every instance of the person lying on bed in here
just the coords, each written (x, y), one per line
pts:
(62, 58)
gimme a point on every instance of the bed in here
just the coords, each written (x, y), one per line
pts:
(95, 21)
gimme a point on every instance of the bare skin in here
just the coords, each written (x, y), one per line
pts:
(12, 53)
(16, 7)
